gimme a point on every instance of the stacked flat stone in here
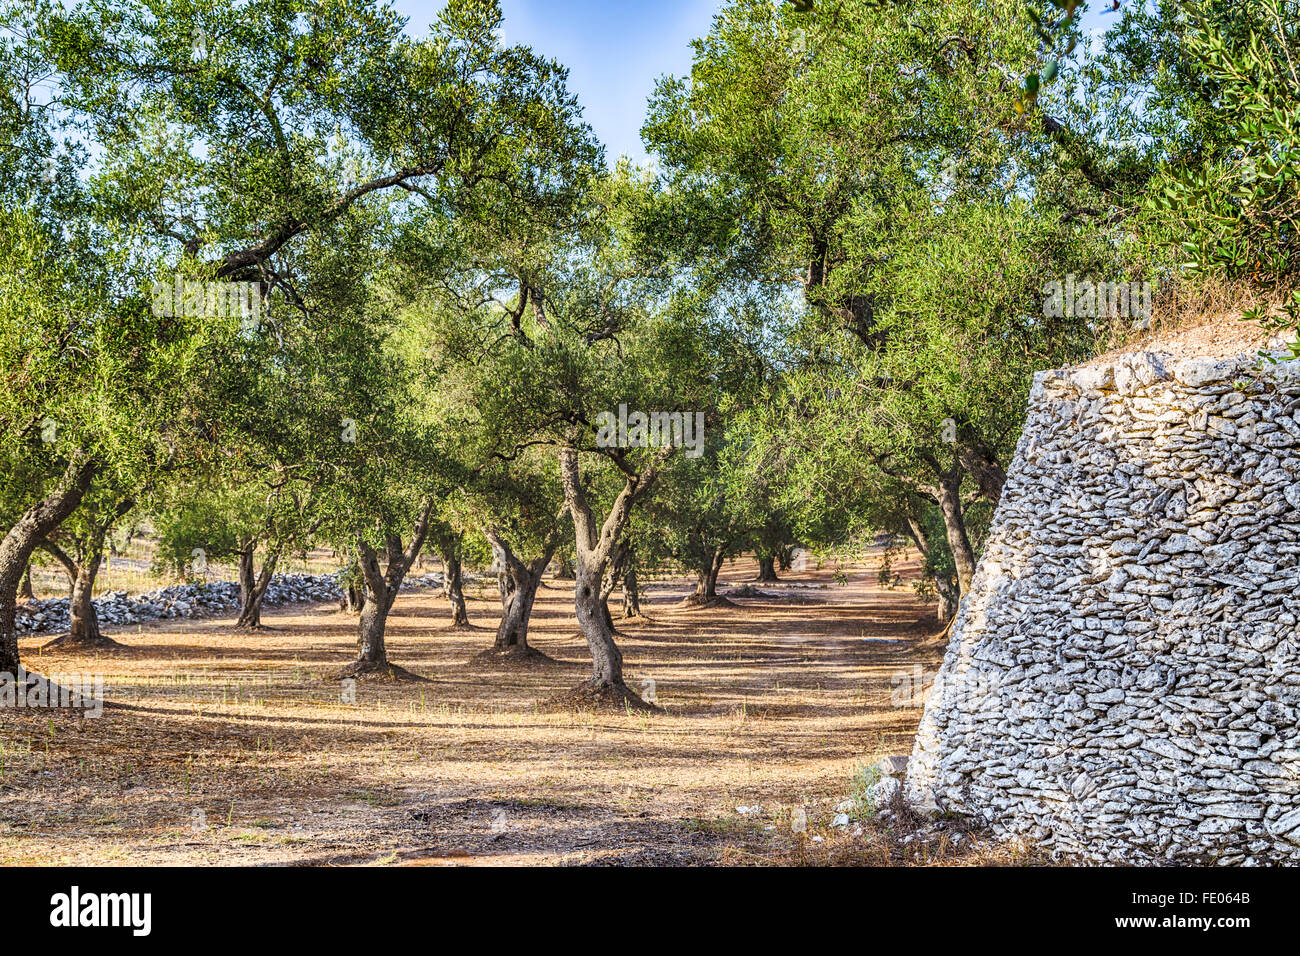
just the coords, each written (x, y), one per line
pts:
(1123, 681)
(117, 608)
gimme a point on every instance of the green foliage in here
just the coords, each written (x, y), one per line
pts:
(92, 376)
(1239, 208)
(864, 806)
(1285, 322)
(868, 157)
(840, 264)
(1052, 25)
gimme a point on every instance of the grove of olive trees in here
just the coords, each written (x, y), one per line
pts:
(300, 303)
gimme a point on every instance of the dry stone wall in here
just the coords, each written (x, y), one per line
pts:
(1123, 681)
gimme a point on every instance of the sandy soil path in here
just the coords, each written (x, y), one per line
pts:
(239, 749)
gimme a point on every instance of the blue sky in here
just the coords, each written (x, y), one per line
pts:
(614, 51)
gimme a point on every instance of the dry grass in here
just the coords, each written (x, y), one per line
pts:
(1194, 318)
(237, 748)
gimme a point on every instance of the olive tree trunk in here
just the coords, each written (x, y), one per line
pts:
(597, 628)
(954, 525)
(252, 587)
(453, 586)
(595, 544)
(706, 577)
(21, 540)
(83, 627)
(945, 587)
(521, 581)
(384, 582)
(946, 493)
(372, 651)
(82, 571)
(631, 592)
(512, 632)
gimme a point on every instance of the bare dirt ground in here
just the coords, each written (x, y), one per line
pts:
(239, 749)
(1217, 336)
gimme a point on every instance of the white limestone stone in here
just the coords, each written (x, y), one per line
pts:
(1123, 683)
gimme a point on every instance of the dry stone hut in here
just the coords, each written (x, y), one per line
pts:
(1123, 680)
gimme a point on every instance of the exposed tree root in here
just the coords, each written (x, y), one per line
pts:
(694, 600)
(371, 671)
(515, 656)
(65, 642)
(603, 697)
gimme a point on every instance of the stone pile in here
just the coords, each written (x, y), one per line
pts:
(1123, 683)
(117, 608)
(429, 581)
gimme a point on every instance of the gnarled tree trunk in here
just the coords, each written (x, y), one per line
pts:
(521, 581)
(954, 524)
(21, 540)
(453, 585)
(946, 493)
(595, 544)
(252, 587)
(767, 567)
(944, 586)
(597, 628)
(631, 592)
(83, 621)
(372, 650)
(83, 628)
(512, 632)
(384, 584)
(706, 578)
